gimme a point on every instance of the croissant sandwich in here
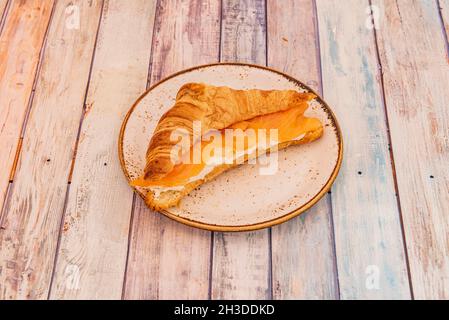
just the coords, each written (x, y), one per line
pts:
(212, 129)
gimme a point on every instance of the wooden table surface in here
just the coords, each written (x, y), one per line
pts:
(71, 228)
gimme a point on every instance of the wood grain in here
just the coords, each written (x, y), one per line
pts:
(298, 271)
(416, 77)
(20, 46)
(241, 261)
(29, 233)
(168, 260)
(94, 239)
(369, 245)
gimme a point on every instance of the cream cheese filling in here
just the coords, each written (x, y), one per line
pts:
(157, 190)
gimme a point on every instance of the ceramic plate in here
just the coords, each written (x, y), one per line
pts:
(241, 198)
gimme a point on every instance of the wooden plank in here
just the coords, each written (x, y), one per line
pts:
(94, 240)
(20, 46)
(168, 260)
(298, 271)
(241, 261)
(369, 245)
(416, 77)
(29, 234)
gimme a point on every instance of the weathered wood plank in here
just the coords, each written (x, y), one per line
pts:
(416, 77)
(369, 245)
(21, 41)
(94, 239)
(168, 260)
(241, 261)
(29, 233)
(298, 271)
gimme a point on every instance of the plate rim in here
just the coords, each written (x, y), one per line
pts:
(244, 227)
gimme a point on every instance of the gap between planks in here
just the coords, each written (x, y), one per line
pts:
(270, 230)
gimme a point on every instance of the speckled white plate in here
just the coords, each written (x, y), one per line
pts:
(240, 199)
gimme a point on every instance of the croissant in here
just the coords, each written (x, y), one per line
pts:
(201, 117)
